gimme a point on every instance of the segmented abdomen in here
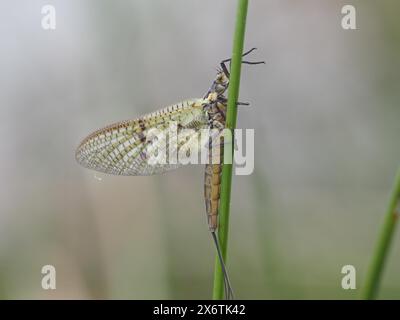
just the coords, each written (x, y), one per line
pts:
(213, 170)
(212, 185)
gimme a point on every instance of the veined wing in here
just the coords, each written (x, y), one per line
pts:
(128, 147)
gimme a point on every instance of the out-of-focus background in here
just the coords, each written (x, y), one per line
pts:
(325, 109)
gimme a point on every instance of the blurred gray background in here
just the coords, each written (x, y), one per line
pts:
(326, 118)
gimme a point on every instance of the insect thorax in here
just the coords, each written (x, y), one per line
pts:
(216, 114)
(216, 106)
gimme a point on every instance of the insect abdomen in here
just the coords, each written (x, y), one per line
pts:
(212, 180)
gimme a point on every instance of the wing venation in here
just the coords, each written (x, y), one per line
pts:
(130, 147)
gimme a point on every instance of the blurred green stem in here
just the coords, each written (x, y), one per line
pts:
(382, 247)
(231, 116)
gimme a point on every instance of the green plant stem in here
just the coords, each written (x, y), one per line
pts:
(231, 116)
(382, 247)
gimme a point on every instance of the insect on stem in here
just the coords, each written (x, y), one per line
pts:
(136, 148)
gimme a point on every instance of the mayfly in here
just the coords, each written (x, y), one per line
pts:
(130, 147)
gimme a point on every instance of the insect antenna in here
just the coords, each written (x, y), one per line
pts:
(227, 284)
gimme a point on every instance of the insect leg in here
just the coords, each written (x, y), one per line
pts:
(225, 69)
(253, 62)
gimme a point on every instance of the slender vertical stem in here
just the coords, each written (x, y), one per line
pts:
(231, 116)
(382, 246)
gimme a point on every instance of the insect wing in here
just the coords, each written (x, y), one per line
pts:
(142, 146)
